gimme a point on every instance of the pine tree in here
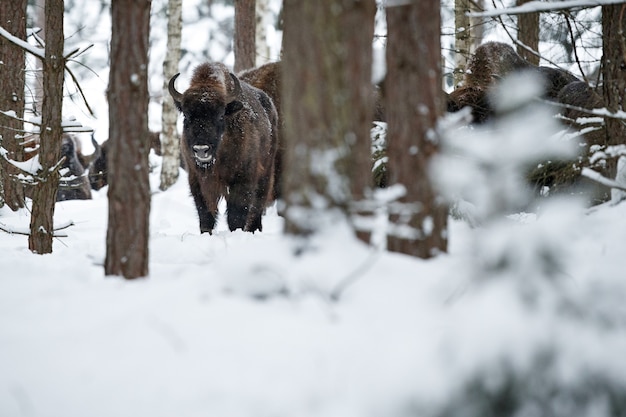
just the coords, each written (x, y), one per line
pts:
(129, 187)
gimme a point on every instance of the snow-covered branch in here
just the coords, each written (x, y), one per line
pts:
(599, 178)
(545, 6)
(26, 232)
(601, 112)
(38, 52)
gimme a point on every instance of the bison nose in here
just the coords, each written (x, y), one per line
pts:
(202, 153)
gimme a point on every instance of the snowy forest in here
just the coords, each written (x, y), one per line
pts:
(409, 208)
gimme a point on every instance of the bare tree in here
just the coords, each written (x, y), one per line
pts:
(44, 193)
(170, 147)
(262, 46)
(12, 60)
(129, 188)
(328, 104)
(245, 34)
(414, 103)
(528, 35)
(477, 24)
(462, 38)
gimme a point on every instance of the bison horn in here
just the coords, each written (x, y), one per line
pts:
(237, 88)
(96, 152)
(178, 97)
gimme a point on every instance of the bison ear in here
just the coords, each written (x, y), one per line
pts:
(233, 107)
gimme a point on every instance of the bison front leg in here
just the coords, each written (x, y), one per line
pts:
(206, 214)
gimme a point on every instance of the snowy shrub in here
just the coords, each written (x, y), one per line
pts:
(528, 336)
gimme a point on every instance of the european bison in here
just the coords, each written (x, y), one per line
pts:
(268, 78)
(73, 184)
(228, 145)
(98, 167)
(491, 62)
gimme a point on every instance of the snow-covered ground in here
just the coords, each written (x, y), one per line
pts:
(232, 324)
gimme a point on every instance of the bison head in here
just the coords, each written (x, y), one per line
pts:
(205, 109)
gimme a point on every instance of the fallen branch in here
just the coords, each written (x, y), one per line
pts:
(26, 232)
(599, 178)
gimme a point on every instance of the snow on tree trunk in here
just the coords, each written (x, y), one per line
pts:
(263, 14)
(245, 32)
(414, 103)
(129, 187)
(13, 19)
(170, 145)
(327, 151)
(528, 34)
(44, 193)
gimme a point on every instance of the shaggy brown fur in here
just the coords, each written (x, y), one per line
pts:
(491, 62)
(268, 78)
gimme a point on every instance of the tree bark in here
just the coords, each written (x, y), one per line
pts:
(170, 146)
(129, 188)
(245, 34)
(414, 101)
(12, 79)
(44, 193)
(327, 104)
(528, 34)
(614, 75)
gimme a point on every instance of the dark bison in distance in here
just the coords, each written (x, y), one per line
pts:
(73, 181)
(491, 62)
(228, 146)
(98, 167)
(73, 184)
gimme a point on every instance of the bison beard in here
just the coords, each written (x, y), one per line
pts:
(228, 146)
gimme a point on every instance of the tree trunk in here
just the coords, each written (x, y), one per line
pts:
(614, 75)
(477, 24)
(44, 193)
(245, 33)
(414, 104)
(462, 39)
(170, 146)
(528, 34)
(12, 62)
(129, 188)
(327, 104)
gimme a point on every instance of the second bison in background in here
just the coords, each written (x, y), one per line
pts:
(228, 146)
